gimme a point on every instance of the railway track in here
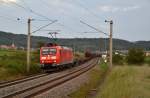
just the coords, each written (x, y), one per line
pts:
(49, 83)
(13, 82)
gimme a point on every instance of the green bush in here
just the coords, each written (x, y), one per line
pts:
(104, 66)
(147, 60)
(117, 59)
(135, 56)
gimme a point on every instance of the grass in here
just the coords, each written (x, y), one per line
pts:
(127, 82)
(13, 64)
(96, 76)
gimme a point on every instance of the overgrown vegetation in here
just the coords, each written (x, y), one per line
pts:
(13, 63)
(147, 60)
(127, 82)
(135, 56)
(103, 66)
(118, 59)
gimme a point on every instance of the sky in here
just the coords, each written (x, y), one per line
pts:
(131, 18)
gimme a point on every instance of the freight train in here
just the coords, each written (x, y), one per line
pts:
(53, 55)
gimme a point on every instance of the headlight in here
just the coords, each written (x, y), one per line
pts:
(53, 57)
(55, 61)
(43, 58)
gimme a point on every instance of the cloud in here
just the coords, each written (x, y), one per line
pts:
(109, 8)
(8, 1)
(130, 8)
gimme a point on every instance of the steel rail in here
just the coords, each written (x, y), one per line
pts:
(67, 77)
(13, 82)
(59, 82)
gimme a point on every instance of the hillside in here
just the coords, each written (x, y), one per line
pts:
(79, 43)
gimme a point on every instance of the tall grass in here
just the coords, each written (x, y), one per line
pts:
(127, 82)
(13, 63)
(147, 60)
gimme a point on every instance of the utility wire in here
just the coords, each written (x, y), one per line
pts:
(30, 10)
(8, 18)
(26, 4)
(94, 28)
(44, 26)
(81, 5)
(67, 27)
(88, 10)
(15, 19)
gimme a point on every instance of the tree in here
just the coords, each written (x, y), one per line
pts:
(117, 59)
(135, 56)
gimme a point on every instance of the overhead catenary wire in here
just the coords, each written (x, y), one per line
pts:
(12, 19)
(74, 17)
(18, 19)
(94, 28)
(44, 26)
(67, 27)
(15, 19)
(25, 4)
(30, 10)
(88, 10)
(8, 18)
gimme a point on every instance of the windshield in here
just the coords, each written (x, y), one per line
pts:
(47, 51)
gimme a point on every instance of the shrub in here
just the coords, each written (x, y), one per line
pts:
(135, 56)
(103, 65)
(16, 66)
(117, 59)
(147, 60)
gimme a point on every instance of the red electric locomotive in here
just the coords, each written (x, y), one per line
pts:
(54, 55)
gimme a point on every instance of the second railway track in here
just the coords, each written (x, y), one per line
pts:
(48, 82)
(13, 82)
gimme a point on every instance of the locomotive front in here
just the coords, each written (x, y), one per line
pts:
(49, 56)
(55, 56)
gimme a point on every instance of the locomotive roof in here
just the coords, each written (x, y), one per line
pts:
(64, 47)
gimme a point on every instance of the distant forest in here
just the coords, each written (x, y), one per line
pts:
(80, 44)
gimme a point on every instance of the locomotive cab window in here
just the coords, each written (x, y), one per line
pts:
(46, 51)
